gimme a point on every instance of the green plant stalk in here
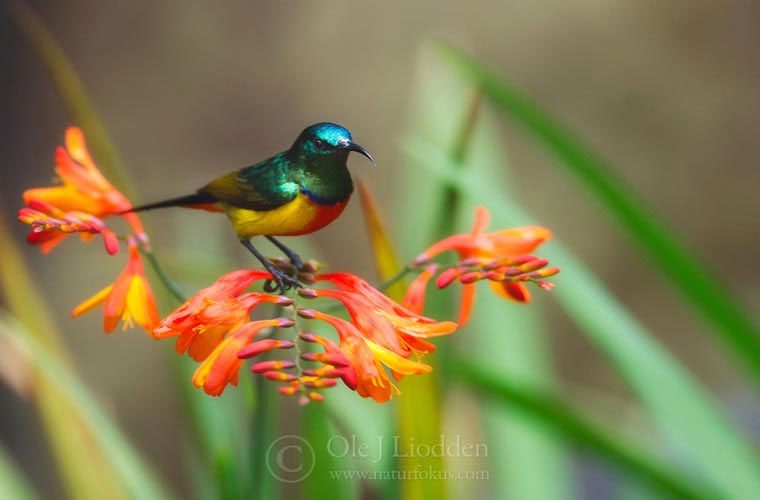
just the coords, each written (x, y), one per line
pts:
(690, 276)
(72, 92)
(567, 423)
(169, 284)
(450, 196)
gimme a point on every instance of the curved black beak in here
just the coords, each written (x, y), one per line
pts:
(352, 146)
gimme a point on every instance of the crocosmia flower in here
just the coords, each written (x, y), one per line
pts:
(367, 360)
(382, 334)
(50, 225)
(84, 196)
(129, 298)
(223, 364)
(202, 322)
(502, 257)
(381, 319)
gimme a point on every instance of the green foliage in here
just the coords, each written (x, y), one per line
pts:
(674, 259)
(136, 477)
(565, 422)
(685, 413)
(13, 484)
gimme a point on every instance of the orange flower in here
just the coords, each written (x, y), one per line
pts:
(381, 334)
(381, 319)
(497, 253)
(84, 190)
(129, 298)
(202, 322)
(365, 358)
(50, 225)
(222, 366)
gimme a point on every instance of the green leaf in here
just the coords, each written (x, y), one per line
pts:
(80, 462)
(13, 484)
(137, 479)
(684, 412)
(419, 411)
(691, 277)
(559, 418)
(73, 94)
(524, 461)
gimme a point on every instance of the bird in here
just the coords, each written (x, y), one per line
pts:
(295, 192)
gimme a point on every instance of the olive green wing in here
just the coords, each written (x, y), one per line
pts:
(264, 186)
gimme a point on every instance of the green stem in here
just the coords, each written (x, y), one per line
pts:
(395, 278)
(166, 280)
(450, 197)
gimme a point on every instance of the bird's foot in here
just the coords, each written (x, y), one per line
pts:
(295, 259)
(281, 282)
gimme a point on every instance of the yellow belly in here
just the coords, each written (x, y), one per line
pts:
(299, 216)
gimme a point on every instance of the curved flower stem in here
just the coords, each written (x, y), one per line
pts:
(166, 280)
(396, 278)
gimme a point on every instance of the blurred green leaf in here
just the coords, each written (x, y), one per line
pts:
(524, 460)
(674, 259)
(72, 92)
(80, 462)
(567, 423)
(13, 484)
(318, 430)
(137, 480)
(686, 414)
(539, 464)
(220, 433)
(419, 415)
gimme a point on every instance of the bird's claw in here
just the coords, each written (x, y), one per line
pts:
(281, 282)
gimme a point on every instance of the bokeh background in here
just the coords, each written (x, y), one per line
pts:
(667, 92)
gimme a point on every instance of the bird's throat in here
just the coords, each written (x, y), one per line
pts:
(326, 181)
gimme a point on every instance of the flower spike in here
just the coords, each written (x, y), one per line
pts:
(500, 256)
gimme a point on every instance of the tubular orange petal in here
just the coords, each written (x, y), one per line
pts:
(116, 302)
(396, 362)
(517, 292)
(518, 240)
(46, 240)
(141, 304)
(482, 221)
(202, 341)
(414, 299)
(418, 328)
(77, 148)
(93, 302)
(223, 365)
(64, 198)
(459, 243)
(467, 300)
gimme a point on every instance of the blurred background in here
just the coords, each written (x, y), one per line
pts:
(667, 92)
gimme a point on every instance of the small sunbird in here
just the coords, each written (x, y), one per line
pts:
(295, 192)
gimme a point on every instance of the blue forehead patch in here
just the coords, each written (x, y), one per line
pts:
(331, 133)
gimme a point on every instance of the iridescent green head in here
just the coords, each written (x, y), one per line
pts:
(327, 140)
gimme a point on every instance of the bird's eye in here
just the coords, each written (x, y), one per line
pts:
(319, 144)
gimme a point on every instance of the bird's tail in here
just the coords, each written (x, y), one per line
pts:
(197, 200)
